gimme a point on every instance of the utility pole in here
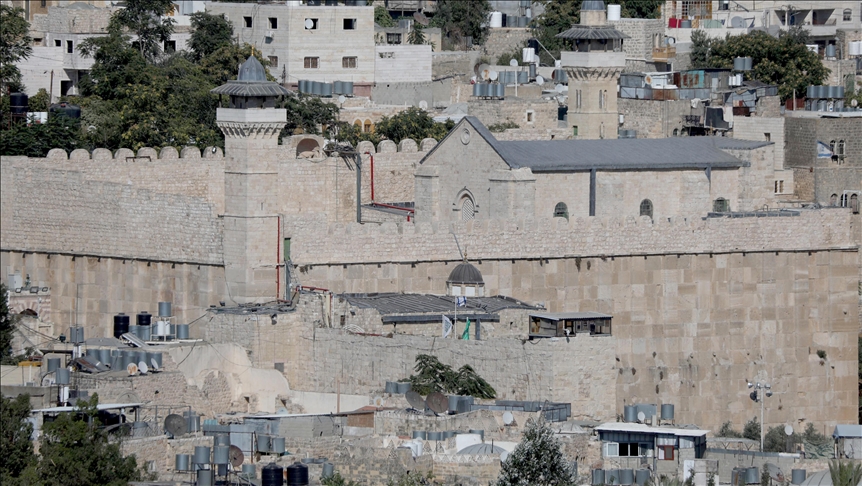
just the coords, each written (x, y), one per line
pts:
(760, 389)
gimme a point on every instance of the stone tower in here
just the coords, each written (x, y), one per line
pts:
(594, 65)
(251, 224)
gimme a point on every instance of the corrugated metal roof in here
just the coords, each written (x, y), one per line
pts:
(591, 32)
(847, 430)
(251, 88)
(562, 316)
(617, 154)
(390, 304)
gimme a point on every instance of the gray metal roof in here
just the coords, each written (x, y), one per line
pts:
(564, 316)
(399, 307)
(592, 32)
(674, 153)
(251, 81)
(847, 430)
(465, 273)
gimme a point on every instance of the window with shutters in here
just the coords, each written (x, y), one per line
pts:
(468, 209)
(561, 211)
(646, 208)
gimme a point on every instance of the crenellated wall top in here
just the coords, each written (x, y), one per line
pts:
(125, 154)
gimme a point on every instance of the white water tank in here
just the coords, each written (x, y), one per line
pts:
(856, 48)
(614, 12)
(527, 54)
(496, 20)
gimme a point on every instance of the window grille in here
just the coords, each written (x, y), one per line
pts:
(468, 210)
(561, 211)
(646, 208)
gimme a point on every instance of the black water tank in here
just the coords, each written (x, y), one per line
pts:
(272, 475)
(562, 111)
(297, 475)
(72, 111)
(534, 43)
(19, 103)
(144, 319)
(121, 324)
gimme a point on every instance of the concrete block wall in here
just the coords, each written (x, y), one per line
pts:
(505, 40)
(402, 63)
(491, 112)
(654, 118)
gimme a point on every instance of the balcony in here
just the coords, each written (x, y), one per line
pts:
(663, 54)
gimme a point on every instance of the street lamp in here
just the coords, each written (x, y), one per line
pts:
(757, 394)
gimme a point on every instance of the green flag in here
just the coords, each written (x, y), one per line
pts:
(466, 334)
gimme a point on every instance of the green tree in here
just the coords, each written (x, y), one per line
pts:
(845, 473)
(752, 430)
(433, 376)
(76, 446)
(458, 19)
(147, 19)
(209, 34)
(727, 430)
(700, 43)
(307, 114)
(416, 35)
(37, 139)
(382, 17)
(8, 320)
(558, 16)
(537, 460)
(414, 123)
(776, 440)
(40, 101)
(337, 480)
(117, 65)
(782, 61)
(15, 445)
(15, 45)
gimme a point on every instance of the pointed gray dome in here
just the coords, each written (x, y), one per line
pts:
(482, 450)
(251, 70)
(465, 273)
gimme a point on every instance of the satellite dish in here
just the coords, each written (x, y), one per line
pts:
(142, 367)
(175, 425)
(421, 18)
(540, 80)
(485, 74)
(423, 104)
(154, 364)
(132, 369)
(493, 75)
(513, 62)
(854, 103)
(415, 400)
(788, 430)
(737, 23)
(648, 79)
(438, 403)
(558, 88)
(309, 24)
(508, 418)
(235, 456)
(641, 416)
(48, 379)
(341, 99)
(535, 59)
(504, 456)
(377, 401)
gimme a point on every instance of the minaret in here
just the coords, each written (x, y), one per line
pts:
(594, 65)
(251, 225)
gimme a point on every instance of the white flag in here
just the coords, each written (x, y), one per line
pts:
(447, 327)
(462, 301)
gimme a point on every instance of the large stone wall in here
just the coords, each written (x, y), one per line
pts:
(542, 112)
(505, 40)
(654, 118)
(803, 132)
(137, 206)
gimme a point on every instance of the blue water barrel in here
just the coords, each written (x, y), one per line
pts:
(420, 434)
(264, 443)
(278, 445)
(337, 87)
(627, 477)
(403, 387)
(641, 476)
(347, 86)
(391, 387)
(797, 476)
(752, 475)
(202, 455)
(221, 440)
(249, 471)
(205, 477)
(183, 462)
(327, 90)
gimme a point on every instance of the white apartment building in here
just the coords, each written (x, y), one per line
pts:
(308, 42)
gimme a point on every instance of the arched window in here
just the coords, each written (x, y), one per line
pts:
(561, 211)
(676, 132)
(832, 146)
(468, 209)
(833, 200)
(844, 200)
(847, 14)
(839, 149)
(646, 208)
(601, 100)
(368, 127)
(721, 205)
(854, 203)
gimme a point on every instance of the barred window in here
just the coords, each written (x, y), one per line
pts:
(468, 210)
(646, 208)
(721, 205)
(561, 211)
